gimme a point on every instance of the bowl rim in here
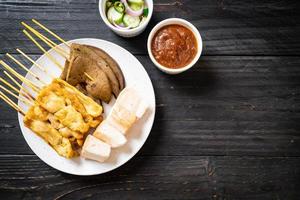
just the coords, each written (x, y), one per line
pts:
(136, 29)
(186, 24)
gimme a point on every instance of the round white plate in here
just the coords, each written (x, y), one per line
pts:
(134, 74)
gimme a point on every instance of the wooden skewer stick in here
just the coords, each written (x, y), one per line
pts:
(15, 89)
(41, 48)
(20, 77)
(26, 101)
(11, 103)
(36, 64)
(9, 85)
(49, 31)
(61, 53)
(47, 41)
(19, 85)
(23, 67)
(87, 75)
(68, 72)
(54, 44)
(43, 37)
(55, 48)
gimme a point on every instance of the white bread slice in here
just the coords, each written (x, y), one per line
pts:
(130, 99)
(141, 110)
(121, 118)
(106, 132)
(95, 149)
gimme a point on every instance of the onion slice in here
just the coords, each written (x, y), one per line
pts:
(130, 11)
(121, 27)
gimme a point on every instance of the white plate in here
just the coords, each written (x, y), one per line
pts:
(134, 74)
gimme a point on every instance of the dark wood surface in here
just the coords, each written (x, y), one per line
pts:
(229, 128)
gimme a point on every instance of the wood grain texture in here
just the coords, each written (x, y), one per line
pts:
(172, 177)
(225, 105)
(230, 27)
(226, 129)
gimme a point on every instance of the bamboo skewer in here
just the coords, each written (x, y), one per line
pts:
(43, 36)
(87, 75)
(23, 67)
(46, 40)
(20, 86)
(26, 101)
(11, 103)
(68, 72)
(15, 89)
(49, 31)
(20, 77)
(53, 43)
(27, 82)
(36, 64)
(41, 48)
(58, 50)
(9, 85)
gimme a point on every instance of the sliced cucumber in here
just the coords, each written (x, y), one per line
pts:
(135, 6)
(119, 7)
(108, 4)
(114, 16)
(139, 2)
(131, 21)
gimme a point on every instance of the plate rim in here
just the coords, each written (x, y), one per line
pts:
(131, 155)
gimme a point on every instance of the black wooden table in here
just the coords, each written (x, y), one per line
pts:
(226, 129)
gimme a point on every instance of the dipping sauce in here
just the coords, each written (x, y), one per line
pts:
(174, 46)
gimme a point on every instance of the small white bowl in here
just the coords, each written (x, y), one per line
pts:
(186, 24)
(130, 32)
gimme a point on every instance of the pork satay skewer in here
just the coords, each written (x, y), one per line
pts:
(36, 64)
(46, 40)
(15, 89)
(49, 31)
(42, 49)
(29, 83)
(23, 67)
(11, 103)
(19, 85)
(24, 100)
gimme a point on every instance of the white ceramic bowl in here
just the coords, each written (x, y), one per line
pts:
(184, 23)
(130, 32)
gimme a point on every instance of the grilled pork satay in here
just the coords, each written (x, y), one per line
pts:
(62, 116)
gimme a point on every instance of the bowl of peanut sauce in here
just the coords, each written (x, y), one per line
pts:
(174, 45)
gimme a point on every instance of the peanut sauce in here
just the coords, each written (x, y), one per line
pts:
(174, 46)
